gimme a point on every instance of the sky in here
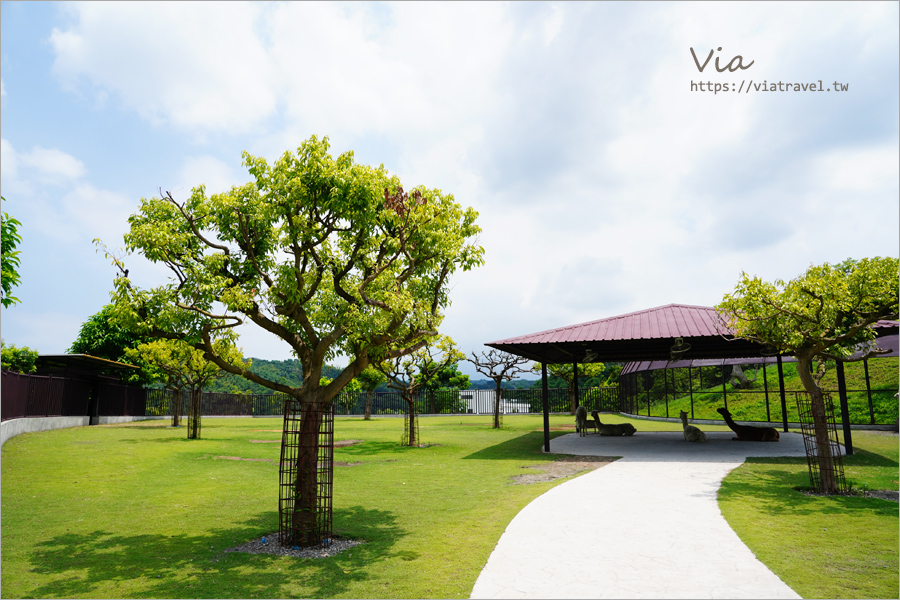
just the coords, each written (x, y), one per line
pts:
(610, 173)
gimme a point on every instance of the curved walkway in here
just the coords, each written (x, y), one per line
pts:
(646, 526)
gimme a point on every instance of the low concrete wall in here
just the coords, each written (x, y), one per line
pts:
(14, 427)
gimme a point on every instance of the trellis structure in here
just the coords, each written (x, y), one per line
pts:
(305, 498)
(835, 465)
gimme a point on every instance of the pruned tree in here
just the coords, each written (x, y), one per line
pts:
(328, 256)
(186, 369)
(499, 366)
(566, 372)
(369, 379)
(825, 314)
(410, 374)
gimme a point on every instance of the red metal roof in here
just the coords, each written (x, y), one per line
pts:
(646, 335)
(670, 321)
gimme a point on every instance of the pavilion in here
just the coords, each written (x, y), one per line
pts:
(667, 333)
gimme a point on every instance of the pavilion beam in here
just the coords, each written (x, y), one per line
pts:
(545, 402)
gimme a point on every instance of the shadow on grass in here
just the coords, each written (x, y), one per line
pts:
(526, 446)
(782, 491)
(105, 564)
(863, 458)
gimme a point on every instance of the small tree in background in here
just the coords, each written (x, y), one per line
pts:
(824, 314)
(9, 257)
(186, 368)
(434, 378)
(410, 374)
(567, 373)
(368, 380)
(348, 396)
(499, 366)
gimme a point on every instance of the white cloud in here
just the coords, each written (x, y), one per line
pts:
(22, 171)
(197, 65)
(53, 164)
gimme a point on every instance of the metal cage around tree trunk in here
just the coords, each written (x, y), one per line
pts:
(821, 468)
(410, 427)
(306, 474)
(193, 417)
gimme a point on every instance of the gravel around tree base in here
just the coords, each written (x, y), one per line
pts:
(273, 546)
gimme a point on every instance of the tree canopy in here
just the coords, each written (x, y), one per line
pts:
(330, 256)
(9, 258)
(825, 313)
(102, 337)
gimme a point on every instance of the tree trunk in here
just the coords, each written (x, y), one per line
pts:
(176, 409)
(196, 398)
(304, 519)
(412, 432)
(367, 414)
(498, 395)
(820, 426)
(573, 400)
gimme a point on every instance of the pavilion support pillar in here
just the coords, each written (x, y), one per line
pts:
(845, 409)
(691, 388)
(869, 392)
(575, 383)
(545, 402)
(783, 397)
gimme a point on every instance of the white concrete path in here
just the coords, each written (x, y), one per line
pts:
(646, 526)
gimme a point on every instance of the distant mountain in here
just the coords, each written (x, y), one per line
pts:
(289, 372)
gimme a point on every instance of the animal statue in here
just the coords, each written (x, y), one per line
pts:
(691, 433)
(748, 433)
(616, 429)
(581, 420)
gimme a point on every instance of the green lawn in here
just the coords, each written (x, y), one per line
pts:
(822, 547)
(136, 510)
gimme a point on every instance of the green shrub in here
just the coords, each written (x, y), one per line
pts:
(16, 359)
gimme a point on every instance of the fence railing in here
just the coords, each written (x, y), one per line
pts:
(162, 402)
(54, 396)
(655, 394)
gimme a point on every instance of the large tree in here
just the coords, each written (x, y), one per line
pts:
(499, 366)
(825, 314)
(327, 255)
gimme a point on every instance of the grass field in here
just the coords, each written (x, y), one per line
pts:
(136, 510)
(822, 546)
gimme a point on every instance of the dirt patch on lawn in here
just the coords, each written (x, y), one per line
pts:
(337, 463)
(342, 443)
(564, 467)
(265, 441)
